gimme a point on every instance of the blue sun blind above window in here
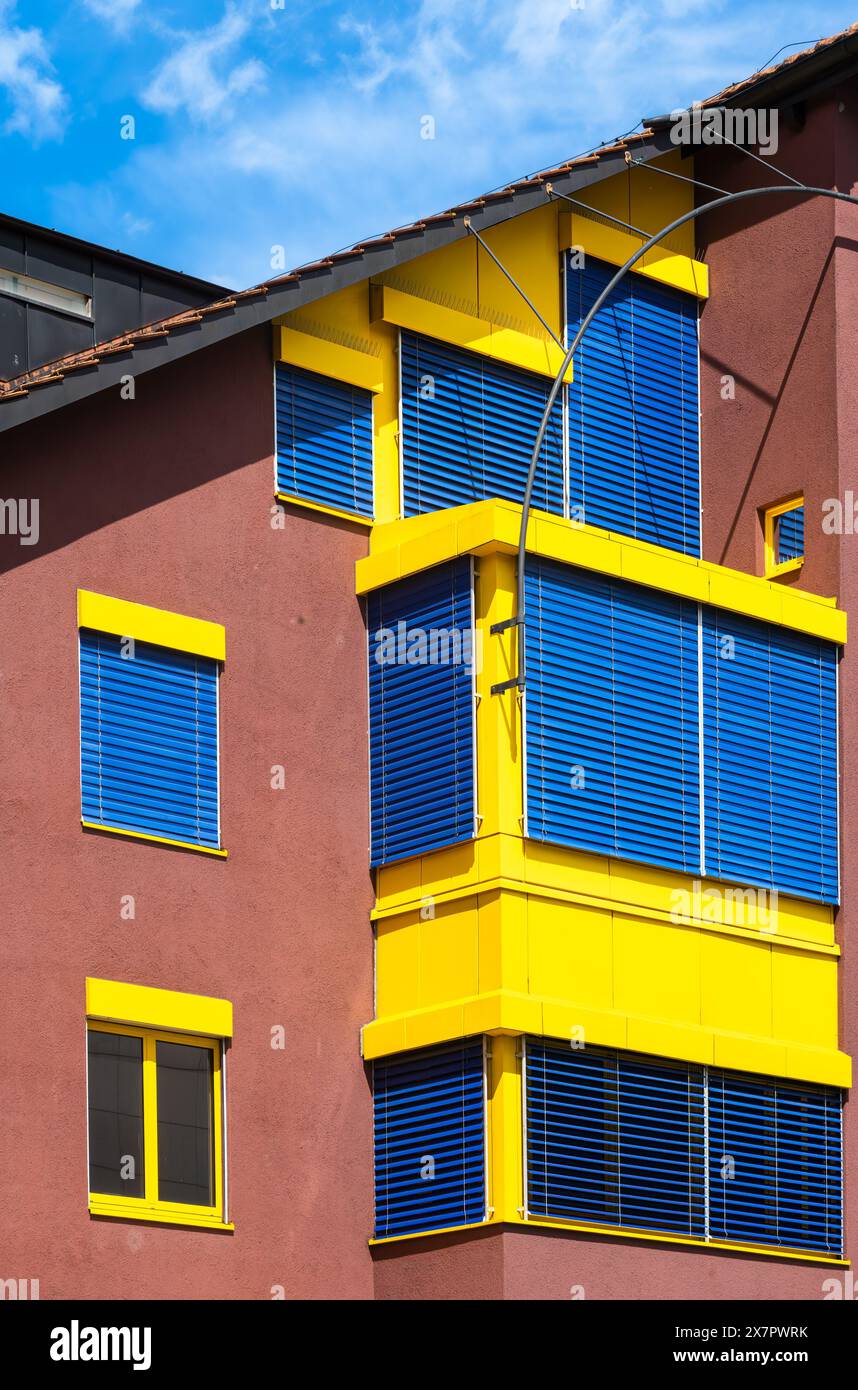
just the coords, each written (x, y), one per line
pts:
(149, 739)
(429, 1139)
(770, 741)
(790, 535)
(633, 408)
(611, 717)
(421, 713)
(469, 424)
(324, 440)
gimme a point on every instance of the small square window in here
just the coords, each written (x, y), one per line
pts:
(784, 537)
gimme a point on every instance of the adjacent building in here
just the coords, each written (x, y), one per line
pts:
(361, 942)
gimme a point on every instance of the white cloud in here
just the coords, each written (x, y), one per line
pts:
(198, 77)
(117, 13)
(37, 105)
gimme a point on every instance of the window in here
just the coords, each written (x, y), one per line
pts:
(611, 717)
(618, 1139)
(633, 409)
(784, 537)
(156, 1146)
(639, 699)
(421, 713)
(429, 1139)
(40, 292)
(149, 724)
(770, 756)
(468, 428)
(324, 441)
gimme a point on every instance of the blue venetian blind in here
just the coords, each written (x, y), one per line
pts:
(770, 738)
(421, 713)
(148, 725)
(614, 1139)
(774, 1163)
(429, 1139)
(324, 440)
(611, 717)
(633, 409)
(790, 531)
(468, 428)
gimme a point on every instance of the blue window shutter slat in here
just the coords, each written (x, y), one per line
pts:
(790, 526)
(611, 717)
(468, 431)
(421, 716)
(429, 1105)
(614, 1139)
(774, 1163)
(633, 409)
(621, 1139)
(149, 754)
(770, 739)
(324, 440)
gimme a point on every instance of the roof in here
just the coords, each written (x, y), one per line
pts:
(81, 374)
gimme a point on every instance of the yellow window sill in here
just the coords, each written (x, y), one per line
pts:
(785, 567)
(337, 512)
(625, 1233)
(154, 839)
(166, 1216)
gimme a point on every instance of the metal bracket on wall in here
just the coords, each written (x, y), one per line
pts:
(517, 683)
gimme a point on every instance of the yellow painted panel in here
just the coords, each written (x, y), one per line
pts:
(660, 571)
(670, 1040)
(505, 1129)
(532, 351)
(572, 1023)
(571, 870)
(112, 1001)
(397, 963)
(612, 244)
(331, 359)
(756, 598)
(570, 952)
(383, 1037)
(434, 1025)
(503, 942)
(736, 1052)
(448, 954)
(804, 997)
(155, 625)
(656, 969)
(819, 1065)
(829, 622)
(736, 984)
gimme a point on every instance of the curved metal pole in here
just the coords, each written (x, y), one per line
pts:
(519, 619)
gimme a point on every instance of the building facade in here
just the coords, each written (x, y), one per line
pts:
(361, 942)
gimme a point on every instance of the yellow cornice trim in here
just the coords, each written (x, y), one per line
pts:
(619, 1233)
(402, 548)
(338, 512)
(534, 353)
(611, 244)
(156, 625)
(154, 839)
(113, 1001)
(504, 1011)
(328, 358)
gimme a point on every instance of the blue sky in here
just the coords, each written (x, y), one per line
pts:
(265, 123)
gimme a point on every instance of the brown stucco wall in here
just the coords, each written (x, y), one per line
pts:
(165, 500)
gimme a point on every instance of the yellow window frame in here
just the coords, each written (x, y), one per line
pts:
(772, 567)
(149, 1207)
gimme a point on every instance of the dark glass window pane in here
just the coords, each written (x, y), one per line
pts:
(115, 1114)
(185, 1130)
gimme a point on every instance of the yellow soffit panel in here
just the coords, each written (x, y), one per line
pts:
(403, 548)
(535, 353)
(610, 244)
(506, 1012)
(111, 1001)
(155, 625)
(328, 358)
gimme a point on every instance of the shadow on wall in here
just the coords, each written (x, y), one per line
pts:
(100, 460)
